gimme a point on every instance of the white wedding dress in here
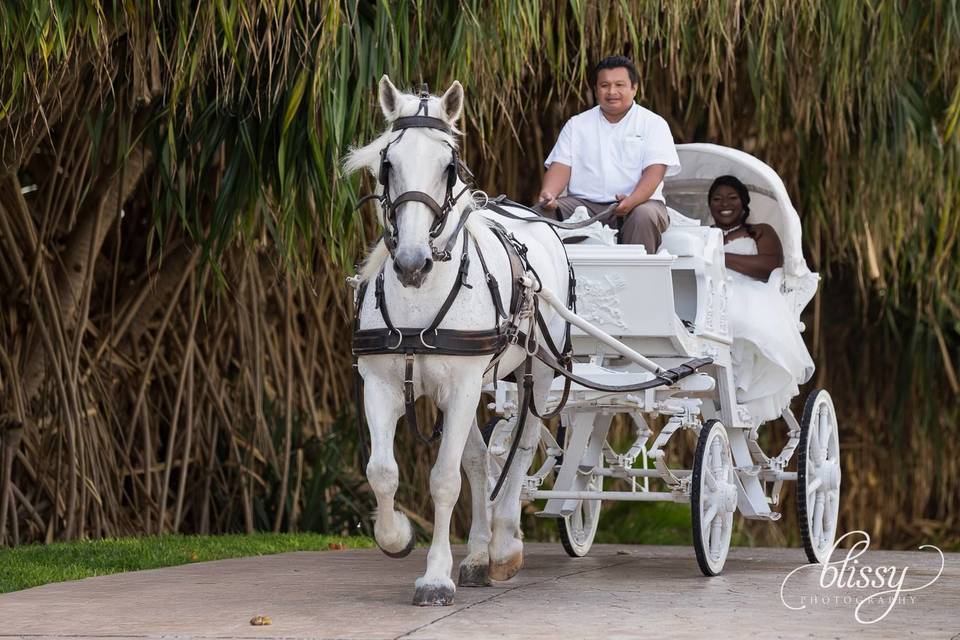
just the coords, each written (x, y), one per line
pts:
(770, 359)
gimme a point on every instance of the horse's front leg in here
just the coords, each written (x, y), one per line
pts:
(383, 404)
(459, 405)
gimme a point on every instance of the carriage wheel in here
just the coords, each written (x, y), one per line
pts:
(713, 497)
(579, 528)
(818, 476)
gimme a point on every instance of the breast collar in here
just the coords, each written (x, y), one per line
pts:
(434, 340)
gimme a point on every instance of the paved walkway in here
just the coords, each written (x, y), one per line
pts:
(616, 592)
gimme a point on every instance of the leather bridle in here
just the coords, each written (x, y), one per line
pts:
(441, 210)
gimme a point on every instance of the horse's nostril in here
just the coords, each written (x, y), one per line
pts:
(397, 267)
(427, 266)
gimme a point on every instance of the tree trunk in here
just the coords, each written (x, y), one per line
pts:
(82, 246)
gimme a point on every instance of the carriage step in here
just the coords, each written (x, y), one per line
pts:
(547, 514)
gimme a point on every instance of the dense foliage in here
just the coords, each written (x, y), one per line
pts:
(174, 228)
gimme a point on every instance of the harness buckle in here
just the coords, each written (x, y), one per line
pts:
(408, 391)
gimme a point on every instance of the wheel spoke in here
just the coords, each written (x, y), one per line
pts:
(716, 456)
(708, 517)
(818, 518)
(576, 519)
(817, 454)
(716, 542)
(709, 479)
(726, 473)
(830, 515)
(727, 522)
(824, 428)
(813, 485)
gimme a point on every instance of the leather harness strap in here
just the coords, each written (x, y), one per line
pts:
(497, 204)
(433, 340)
(421, 122)
(448, 342)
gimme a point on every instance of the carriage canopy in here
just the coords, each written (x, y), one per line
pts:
(701, 163)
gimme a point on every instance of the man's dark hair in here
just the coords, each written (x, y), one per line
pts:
(615, 62)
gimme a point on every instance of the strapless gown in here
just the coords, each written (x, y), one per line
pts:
(770, 359)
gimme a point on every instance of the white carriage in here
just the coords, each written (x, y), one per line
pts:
(671, 307)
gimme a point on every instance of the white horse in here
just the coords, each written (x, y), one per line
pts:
(414, 288)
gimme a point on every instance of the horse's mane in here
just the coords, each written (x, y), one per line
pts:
(368, 157)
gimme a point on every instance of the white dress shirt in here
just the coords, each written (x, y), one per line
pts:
(608, 158)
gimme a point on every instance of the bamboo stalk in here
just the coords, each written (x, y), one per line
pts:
(288, 412)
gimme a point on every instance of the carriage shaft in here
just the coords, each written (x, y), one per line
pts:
(614, 344)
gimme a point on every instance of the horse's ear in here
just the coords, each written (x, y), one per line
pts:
(389, 98)
(452, 101)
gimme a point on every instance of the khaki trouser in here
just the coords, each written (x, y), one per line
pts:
(644, 224)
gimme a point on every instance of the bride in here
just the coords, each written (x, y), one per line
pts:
(770, 359)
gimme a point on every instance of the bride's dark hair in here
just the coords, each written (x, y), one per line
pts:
(742, 192)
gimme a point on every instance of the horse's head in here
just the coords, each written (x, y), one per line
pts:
(416, 166)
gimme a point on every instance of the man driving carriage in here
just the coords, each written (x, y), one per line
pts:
(616, 152)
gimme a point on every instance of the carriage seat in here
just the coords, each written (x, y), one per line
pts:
(683, 237)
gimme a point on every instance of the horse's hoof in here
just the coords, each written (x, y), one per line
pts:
(433, 595)
(501, 571)
(474, 575)
(403, 553)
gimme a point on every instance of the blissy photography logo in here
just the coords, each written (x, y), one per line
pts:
(874, 589)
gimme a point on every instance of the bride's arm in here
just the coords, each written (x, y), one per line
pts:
(769, 255)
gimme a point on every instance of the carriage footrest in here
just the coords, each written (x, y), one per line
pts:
(771, 516)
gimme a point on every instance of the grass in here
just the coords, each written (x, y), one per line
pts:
(650, 523)
(34, 565)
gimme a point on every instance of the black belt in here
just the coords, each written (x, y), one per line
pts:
(442, 342)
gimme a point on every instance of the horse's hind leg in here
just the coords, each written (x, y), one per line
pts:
(506, 543)
(459, 407)
(383, 406)
(475, 570)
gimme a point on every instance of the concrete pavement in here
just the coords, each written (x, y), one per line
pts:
(616, 592)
